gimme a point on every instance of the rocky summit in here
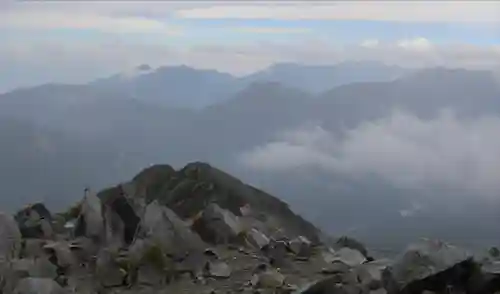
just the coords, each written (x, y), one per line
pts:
(200, 230)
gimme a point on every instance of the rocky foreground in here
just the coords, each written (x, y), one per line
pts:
(199, 230)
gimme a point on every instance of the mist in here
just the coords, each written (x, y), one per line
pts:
(407, 151)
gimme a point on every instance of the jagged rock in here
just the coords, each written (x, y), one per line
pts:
(217, 225)
(351, 257)
(90, 222)
(122, 213)
(165, 228)
(208, 184)
(218, 269)
(428, 265)
(10, 242)
(37, 286)
(257, 239)
(35, 221)
(301, 246)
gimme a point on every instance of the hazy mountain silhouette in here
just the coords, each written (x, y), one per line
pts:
(110, 128)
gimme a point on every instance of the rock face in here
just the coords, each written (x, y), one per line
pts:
(10, 241)
(35, 221)
(200, 230)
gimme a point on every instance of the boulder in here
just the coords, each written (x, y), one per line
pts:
(257, 239)
(370, 274)
(35, 221)
(269, 278)
(60, 254)
(217, 225)
(164, 228)
(301, 247)
(217, 269)
(10, 242)
(428, 265)
(122, 214)
(350, 257)
(90, 222)
(277, 252)
(38, 286)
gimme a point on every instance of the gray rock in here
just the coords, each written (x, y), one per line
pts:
(60, 252)
(257, 239)
(370, 274)
(301, 246)
(10, 242)
(423, 260)
(218, 269)
(108, 271)
(277, 252)
(269, 278)
(90, 223)
(38, 286)
(35, 221)
(217, 225)
(351, 257)
(162, 226)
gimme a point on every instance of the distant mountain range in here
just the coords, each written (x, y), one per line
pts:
(106, 130)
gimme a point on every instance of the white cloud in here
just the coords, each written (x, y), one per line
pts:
(271, 30)
(370, 43)
(404, 11)
(35, 16)
(417, 44)
(407, 151)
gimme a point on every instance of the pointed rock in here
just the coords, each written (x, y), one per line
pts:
(90, 223)
(217, 225)
(165, 228)
(10, 242)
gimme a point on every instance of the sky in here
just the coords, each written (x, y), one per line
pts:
(77, 41)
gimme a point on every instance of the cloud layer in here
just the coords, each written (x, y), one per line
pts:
(407, 151)
(408, 11)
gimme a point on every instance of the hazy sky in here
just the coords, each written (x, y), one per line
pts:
(71, 41)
